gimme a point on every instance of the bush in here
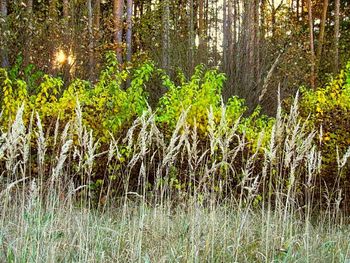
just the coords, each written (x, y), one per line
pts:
(327, 111)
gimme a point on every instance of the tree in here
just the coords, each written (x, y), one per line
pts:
(191, 35)
(312, 47)
(166, 37)
(3, 42)
(129, 30)
(28, 45)
(91, 41)
(336, 36)
(65, 9)
(118, 9)
(322, 33)
(201, 29)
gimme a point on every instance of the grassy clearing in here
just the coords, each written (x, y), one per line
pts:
(141, 233)
(173, 199)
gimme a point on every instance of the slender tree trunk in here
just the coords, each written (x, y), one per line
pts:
(216, 36)
(96, 27)
(129, 9)
(166, 18)
(201, 32)
(51, 32)
(298, 10)
(118, 10)
(191, 35)
(257, 45)
(28, 43)
(65, 9)
(91, 41)
(97, 15)
(322, 32)
(225, 37)
(273, 17)
(336, 35)
(312, 48)
(3, 41)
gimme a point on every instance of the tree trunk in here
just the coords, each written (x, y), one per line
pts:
(312, 48)
(298, 9)
(28, 43)
(165, 49)
(3, 41)
(257, 44)
(191, 35)
(97, 16)
(65, 9)
(225, 37)
(118, 10)
(96, 27)
(322, 32)
(201, 32)
(336, 35)
(273, 18)
(129, 30)
(91, 41)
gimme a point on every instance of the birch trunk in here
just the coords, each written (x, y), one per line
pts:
(129, 30)
(3, 41)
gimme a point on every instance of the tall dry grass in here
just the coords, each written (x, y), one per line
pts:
(164, 198)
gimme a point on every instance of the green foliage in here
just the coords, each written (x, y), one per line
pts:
(107, 106)
(110, 107)
(200, 96)
(195, 96)
(327, 109)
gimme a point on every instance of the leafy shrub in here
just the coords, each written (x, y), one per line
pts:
(111, 111)
(328, 110)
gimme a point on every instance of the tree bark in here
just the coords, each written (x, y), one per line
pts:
(129, 9)
(91, 41)
(201, 32)
(165, 48)
(65, 9)
(312, 48)
(191, 35)
(28, 43)
(118, 10)
(336, 35)
(322, 32)
(225, 37)
(3, 41)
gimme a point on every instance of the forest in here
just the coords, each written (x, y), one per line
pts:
(174, 130)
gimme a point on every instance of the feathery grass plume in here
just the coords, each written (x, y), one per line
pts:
(344, 159)
(61, 159)
(33, 196)
(27, 145)
(176, 140)
(6, 191)
(14, 143)
(79, 120)
(91, 149)
(57, 126)
(41, 143)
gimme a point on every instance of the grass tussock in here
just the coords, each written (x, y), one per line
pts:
(149, 197)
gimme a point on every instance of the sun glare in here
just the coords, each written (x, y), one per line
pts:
(60, 57)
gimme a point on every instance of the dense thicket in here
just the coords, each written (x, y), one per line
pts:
(191, 142)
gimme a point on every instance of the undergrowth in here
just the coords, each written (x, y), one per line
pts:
(90, 173)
